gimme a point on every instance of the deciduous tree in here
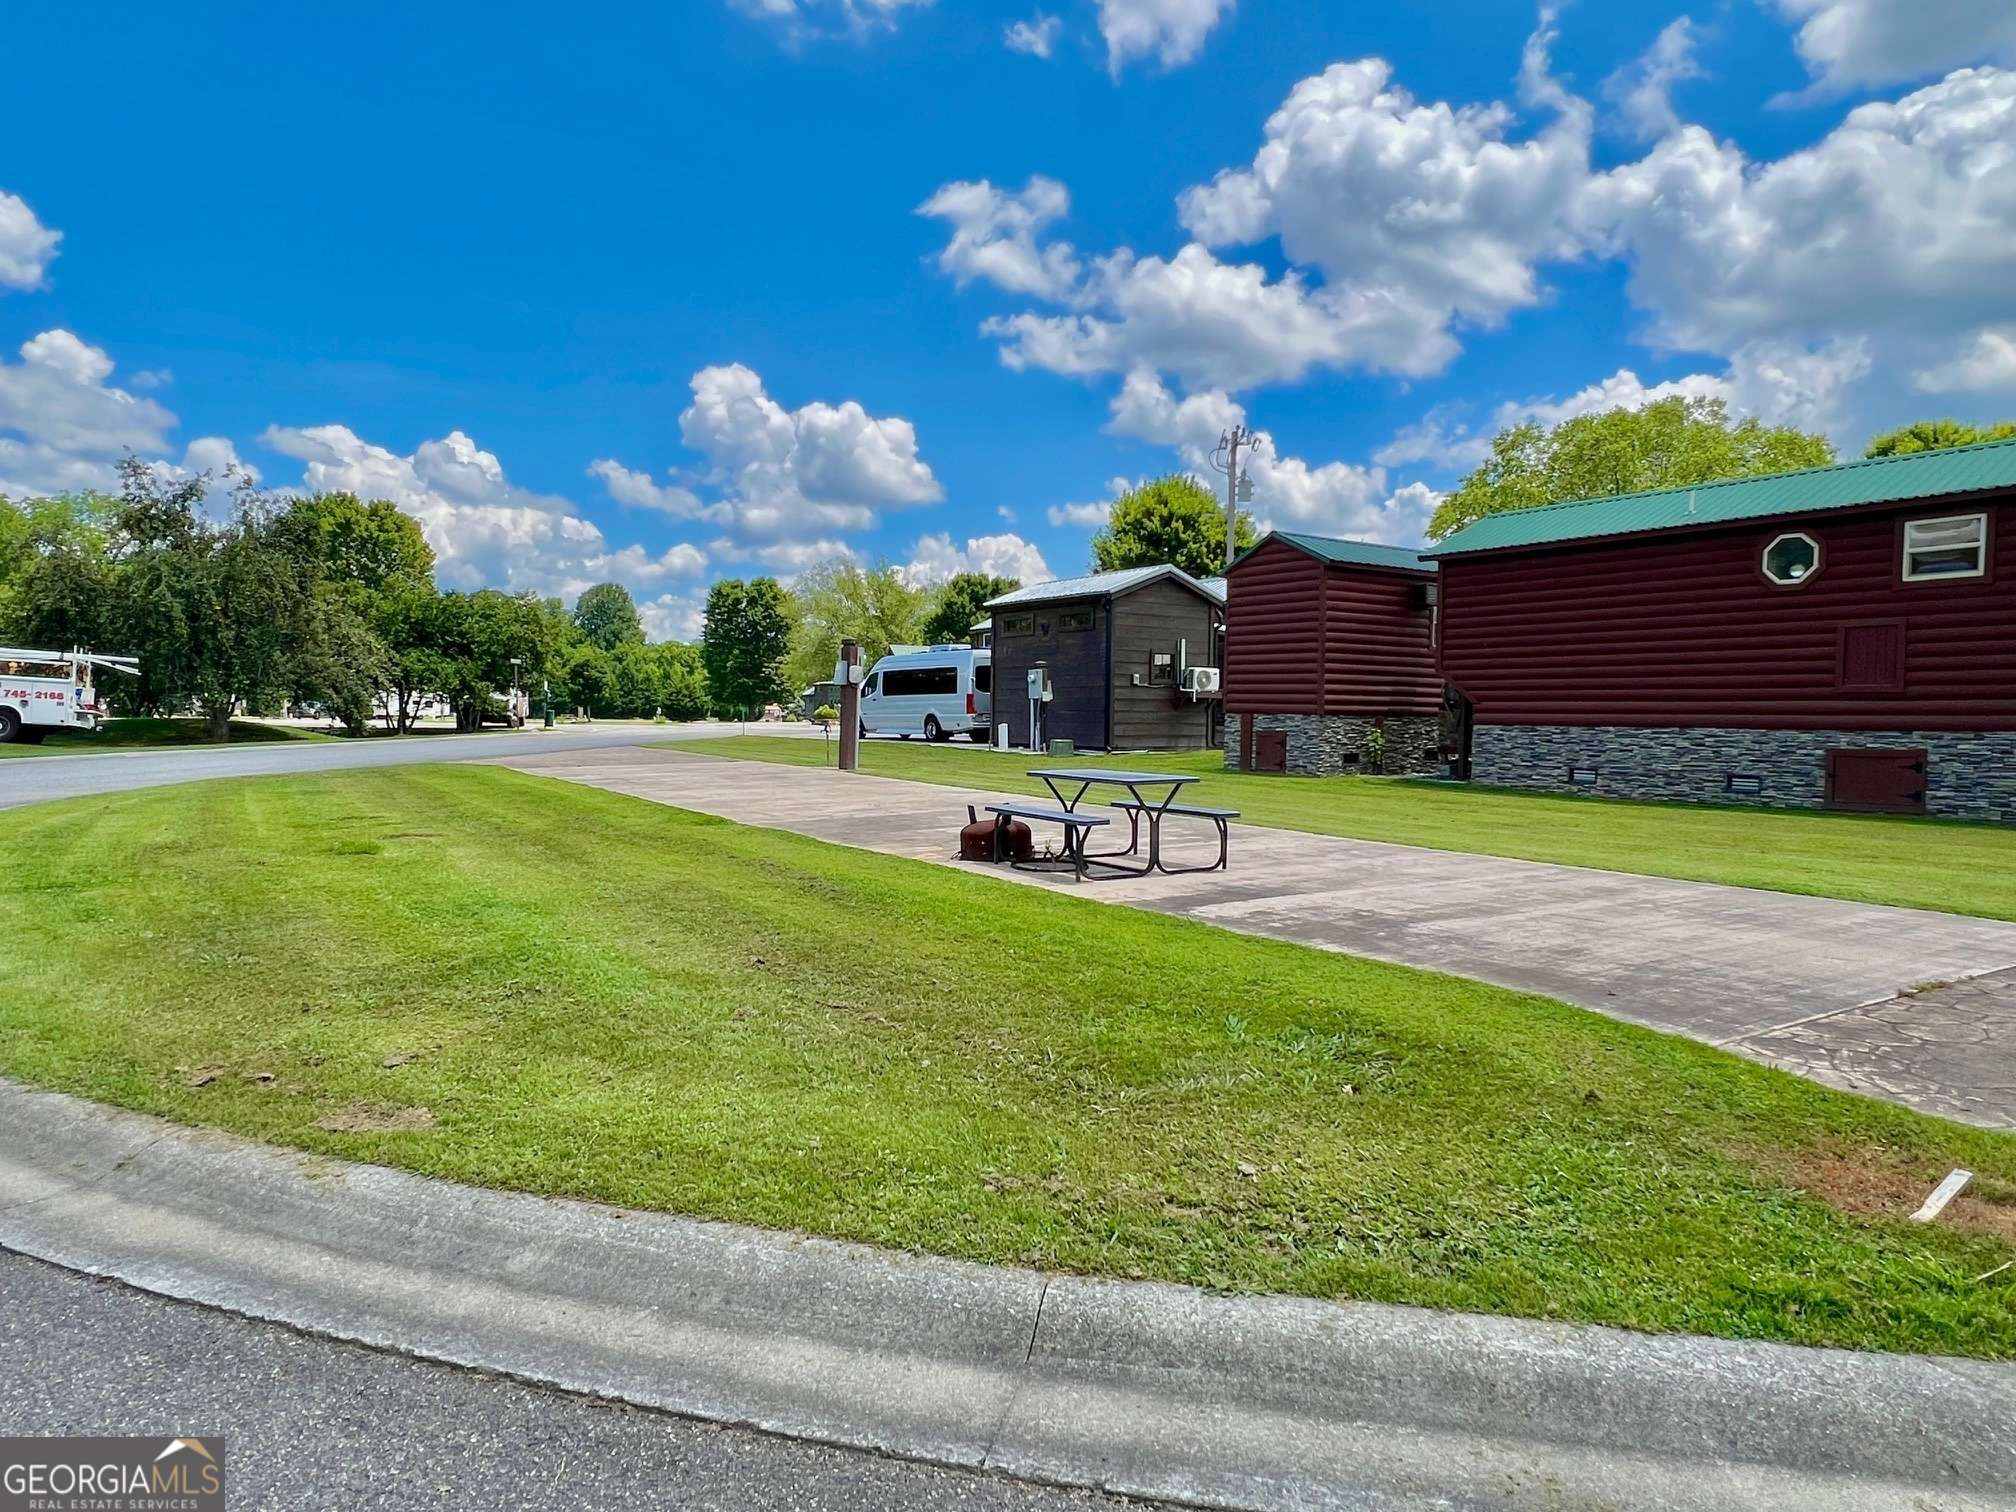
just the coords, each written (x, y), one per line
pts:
(606, 616)
(962, 603)
(745, 643)
(1936, 435)
(1669, 444)
(838, 599)
(1174, 520)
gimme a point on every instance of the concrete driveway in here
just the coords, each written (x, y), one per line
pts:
(1826, 988)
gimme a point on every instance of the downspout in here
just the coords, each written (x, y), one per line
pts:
(1111, 673)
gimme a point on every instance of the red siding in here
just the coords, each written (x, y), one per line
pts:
(1303, 637)
(1379, 644)
(1274, 632)
(1682, 628)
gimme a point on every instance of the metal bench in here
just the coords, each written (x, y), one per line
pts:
(1156, 812)
(1076, 828)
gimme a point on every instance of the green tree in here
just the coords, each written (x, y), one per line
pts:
(1936, 435)
(56, 579)
(1669, 444)
(684, 679)
(962, 603)
(405, 621)
(1174, 520)
(588, 673)
(368, 564)
(606, 616)
(217, 614)
(745, 643)
(341, 661)
(473, 637)
(638, 678)
(838, 599)
(375, 546)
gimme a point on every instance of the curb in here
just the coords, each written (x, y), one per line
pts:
(1162, 1392)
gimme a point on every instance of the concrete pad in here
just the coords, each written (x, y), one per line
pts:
(1949, 1049)
(1261, 1403)
(1728, 965)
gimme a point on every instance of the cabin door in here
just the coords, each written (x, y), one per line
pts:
(1876, 782)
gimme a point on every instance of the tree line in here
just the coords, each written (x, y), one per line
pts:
(323, 600)
(329, 602)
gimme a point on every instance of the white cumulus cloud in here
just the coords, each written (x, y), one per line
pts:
(1644, 89)
(1901, 221)
(780, 484)
(1985, 365)
(26, 245)
(1331, 498)
(994, 234)
(1037, 37)
(937, 557)
(1851, 43)
(63, 425)
(1172, 32)
(1433, 210)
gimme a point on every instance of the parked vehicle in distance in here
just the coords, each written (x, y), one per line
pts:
(933, 691)
(42, 691)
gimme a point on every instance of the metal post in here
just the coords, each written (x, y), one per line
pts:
(850, 706)
(1232, 495)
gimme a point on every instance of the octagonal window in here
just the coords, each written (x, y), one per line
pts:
(1791, 559)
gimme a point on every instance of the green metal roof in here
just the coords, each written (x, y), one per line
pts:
(1875, 480)
(1349, 553)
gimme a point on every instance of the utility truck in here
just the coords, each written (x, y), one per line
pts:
(42, 691)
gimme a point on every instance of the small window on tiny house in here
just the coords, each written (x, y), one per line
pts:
(1018, 624)
(1161, 669)
(1582, 776)
(1075, 619)
(1791, 559)
(1744, 785)
(1955, 546)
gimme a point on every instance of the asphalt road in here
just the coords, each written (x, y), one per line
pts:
(36, 779)
(311, 1423)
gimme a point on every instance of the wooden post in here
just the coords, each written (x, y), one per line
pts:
(850, 706)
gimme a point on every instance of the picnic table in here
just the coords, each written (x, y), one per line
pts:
(1070, 785)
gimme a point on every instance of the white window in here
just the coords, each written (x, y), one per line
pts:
(1791, 559)
(1954, 547)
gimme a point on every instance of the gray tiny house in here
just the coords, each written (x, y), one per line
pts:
(1115, 645)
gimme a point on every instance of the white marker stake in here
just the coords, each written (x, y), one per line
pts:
(1942, 1194)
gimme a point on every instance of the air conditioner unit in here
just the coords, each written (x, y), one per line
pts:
(1199, 681)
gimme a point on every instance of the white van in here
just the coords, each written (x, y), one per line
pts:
(933, 691)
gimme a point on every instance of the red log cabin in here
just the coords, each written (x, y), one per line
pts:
(1327, 641)
(1840, 637)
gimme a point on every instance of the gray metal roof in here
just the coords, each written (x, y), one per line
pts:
(1105, 585)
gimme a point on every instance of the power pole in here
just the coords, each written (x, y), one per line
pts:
(1238, 487)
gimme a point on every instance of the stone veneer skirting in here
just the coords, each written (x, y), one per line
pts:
(1968, 776)
(1328, 745)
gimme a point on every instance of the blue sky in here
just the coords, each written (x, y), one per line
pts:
(644, 292)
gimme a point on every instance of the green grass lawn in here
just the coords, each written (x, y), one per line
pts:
(478, 974)
(1913, 863)
(150, 734)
